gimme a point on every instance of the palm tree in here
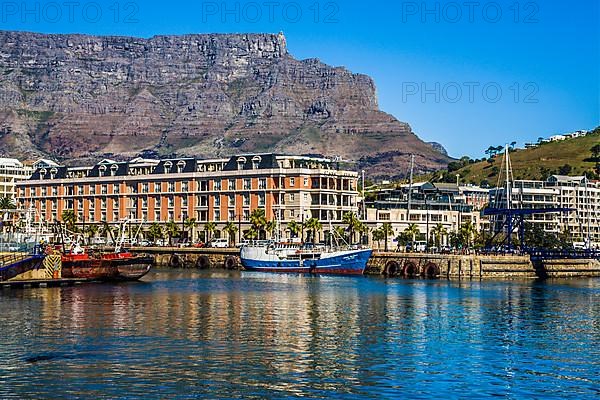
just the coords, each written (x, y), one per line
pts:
(413, 231)
(69, 218)
(314, 225)
(231, 230)
(91, 231)
(258, 219)
(467, 230)
(378, 235)
(172, 230)
(210, 227)
(339, 231)
(294, 228)
(155, 231)
(6, 203)
(250, 234)
(387, 230)
(190, 224)
(353, 223)
(438, 232)
(270, 227)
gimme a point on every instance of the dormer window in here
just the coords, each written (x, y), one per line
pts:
(113, 169)
(167, 166)
(53, 172)
(101, 170)
(241, 161)
(180, 166)
(256, 162)
(43, 173)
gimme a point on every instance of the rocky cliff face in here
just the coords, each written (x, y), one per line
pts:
(85, 97)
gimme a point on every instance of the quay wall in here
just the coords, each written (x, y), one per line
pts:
(392, 264)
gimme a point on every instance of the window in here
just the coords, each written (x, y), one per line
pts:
(262, 183)
(231, 215)
(231, 201)
(157, 188)
(116, 188)
(246, 200)
(103, 203)
(217, 185)
(104, 189)
(384, 216)
(292, 197)
(203, 201)
(115, 215)
(171, 215)
(261, 199)
(92, 189)
(54, 190)
(232, 184)
(184, 186)
(203, 186)
(305, 181)
(144, 187)
(157, 215)
(171, 187)
(246, 215)
(292, 182)
(217, 215)
(171, 202)
(184, 201)
(144, 202)
(247, 184)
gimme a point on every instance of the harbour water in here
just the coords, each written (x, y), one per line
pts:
(221, 334)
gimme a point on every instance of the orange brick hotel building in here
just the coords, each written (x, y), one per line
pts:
(286, 187)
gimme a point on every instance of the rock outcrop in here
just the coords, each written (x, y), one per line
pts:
(85, 97)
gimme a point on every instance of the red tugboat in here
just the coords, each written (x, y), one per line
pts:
(115, 266)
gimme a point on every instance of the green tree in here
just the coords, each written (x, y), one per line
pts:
(349, 218)
(314, 225)
(172, 230)
(378, 236)
(91, 231)
(231, 229)
(595, 151)
(270, 227)
(210, 227)
(388, 231)
(438, 233)
(413, 231)
(258, 220)
(7, 203)
(190, 224)
(69, 218)
(467, 231)
(294, 228)
(251, 234)
(155, 231)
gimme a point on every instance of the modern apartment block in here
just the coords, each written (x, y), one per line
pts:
(11, 172)
(425, 205)
(220, 190)
(577, 193)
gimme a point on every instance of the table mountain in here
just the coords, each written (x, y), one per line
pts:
(79, 98)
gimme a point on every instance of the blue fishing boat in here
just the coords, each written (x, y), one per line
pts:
(282, 257)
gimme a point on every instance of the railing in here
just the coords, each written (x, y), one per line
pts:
(16, 263)
(564, 254)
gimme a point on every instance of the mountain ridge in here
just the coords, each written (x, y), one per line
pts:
(78, 96)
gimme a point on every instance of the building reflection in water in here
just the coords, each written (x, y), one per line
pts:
(225, 332)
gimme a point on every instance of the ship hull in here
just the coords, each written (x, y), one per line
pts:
(106, 268)
(343, 263)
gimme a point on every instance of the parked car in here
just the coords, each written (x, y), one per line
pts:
(199, 245)
(144, 243)
(218, 243)
(161, 242)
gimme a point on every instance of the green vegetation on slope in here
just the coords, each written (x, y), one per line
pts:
(566, 157)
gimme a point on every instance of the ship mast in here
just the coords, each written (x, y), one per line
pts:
(410, 183)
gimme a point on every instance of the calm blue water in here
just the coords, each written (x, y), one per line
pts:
(213, 334)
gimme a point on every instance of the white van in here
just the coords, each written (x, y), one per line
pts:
(219, 243)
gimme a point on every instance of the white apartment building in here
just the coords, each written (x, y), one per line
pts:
(578, 193)
(12, 171)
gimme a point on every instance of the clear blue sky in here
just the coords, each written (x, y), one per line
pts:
(437, 65)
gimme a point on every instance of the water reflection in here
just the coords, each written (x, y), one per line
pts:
(218, 334)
